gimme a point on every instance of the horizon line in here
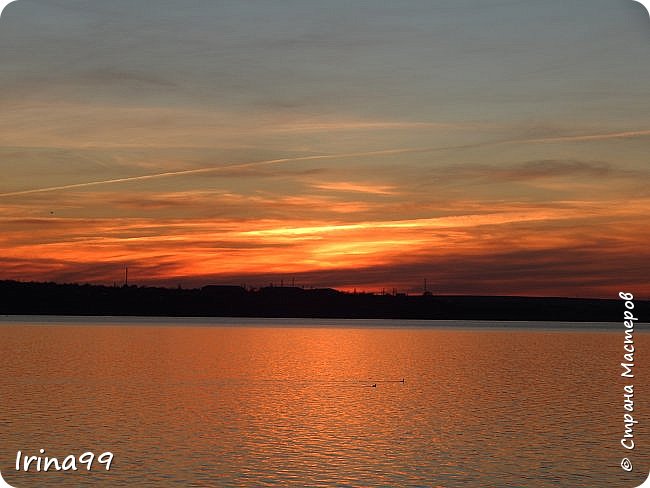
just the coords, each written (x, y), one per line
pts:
(392, 291)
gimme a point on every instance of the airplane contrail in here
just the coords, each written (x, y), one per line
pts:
(221, 168)
(578, 138)
(591, 137)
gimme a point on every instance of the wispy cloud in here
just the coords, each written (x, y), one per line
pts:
(536, 169)
(358, 125)
(417, 224)
(345, 186)
(508, 258)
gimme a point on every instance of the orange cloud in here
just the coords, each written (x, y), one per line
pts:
(344, 186)
(167, 250)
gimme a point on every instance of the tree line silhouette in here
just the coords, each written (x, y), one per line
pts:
(32, 298)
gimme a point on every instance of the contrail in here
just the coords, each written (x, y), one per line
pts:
(591, 137)
(588, 137)
(222, 168)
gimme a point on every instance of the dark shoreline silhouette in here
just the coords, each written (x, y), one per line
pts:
(31, 298)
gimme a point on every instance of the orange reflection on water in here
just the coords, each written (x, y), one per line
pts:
(257, 406)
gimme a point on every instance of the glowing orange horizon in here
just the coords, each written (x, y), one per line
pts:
(401, 252)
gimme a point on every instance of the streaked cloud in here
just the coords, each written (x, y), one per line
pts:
(345, 186)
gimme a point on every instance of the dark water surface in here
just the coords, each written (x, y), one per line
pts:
(290, 403)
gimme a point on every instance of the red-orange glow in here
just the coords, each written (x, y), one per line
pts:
(168, 250)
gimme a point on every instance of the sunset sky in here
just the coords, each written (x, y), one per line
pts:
(490, 147)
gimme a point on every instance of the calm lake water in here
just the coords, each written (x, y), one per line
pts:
(289, 403)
